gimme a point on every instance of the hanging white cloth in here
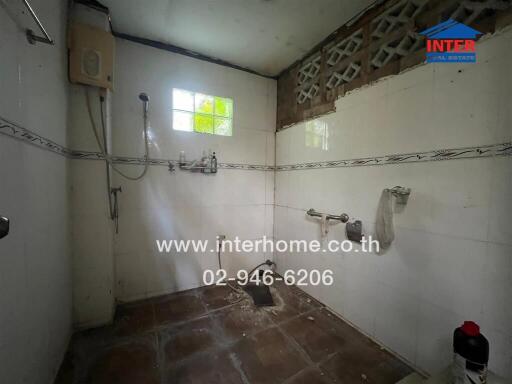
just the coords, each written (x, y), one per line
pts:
(384, 228)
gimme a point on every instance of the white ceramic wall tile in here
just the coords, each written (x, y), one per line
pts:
(81, 134)
(168, 273)
(269, 221)
(10, 107)
(184, 205)
(450, 258)
(247, 146)
(35, 257)
(499, 352)
(283, 146)
(131, 275)
(271, 106)
(435, 336)
(95, 306)
(270, 149)
(269, 187)
(500, 222)
(282, 188)
(233, 187)
(497, 285)
(88, 187)
(396, 320)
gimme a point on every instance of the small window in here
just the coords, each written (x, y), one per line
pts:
(196, 112)
(317, 135)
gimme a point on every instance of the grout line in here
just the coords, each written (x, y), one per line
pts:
(237, 364)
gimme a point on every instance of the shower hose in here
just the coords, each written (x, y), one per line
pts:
(113, 208)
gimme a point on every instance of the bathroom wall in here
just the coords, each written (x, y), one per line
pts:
(93, 257)
(452, 256)
(35, 270)
(181, 204)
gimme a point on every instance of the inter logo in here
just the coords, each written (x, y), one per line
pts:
(451, 42)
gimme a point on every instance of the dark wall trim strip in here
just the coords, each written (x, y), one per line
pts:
(186, 52)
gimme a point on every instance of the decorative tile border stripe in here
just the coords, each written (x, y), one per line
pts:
(140, 161)
(503, 149)
(247, 167)
(14, 131)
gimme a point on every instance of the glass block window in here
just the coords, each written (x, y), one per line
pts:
(196, 112)
(317, 135)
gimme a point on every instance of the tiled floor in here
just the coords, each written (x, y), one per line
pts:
(213, 335)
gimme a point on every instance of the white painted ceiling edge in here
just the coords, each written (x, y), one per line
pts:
(265, 36)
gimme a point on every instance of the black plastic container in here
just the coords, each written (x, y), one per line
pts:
(471, 355)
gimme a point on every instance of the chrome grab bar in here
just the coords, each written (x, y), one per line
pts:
(31, 36)
(343, 217)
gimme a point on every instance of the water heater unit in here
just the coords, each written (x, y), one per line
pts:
(91, 56)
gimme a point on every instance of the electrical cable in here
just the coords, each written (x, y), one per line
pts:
(112, 210)
(237, 290)
(104, 151)
(267, 262)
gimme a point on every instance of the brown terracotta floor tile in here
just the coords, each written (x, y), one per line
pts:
(317, 340)
(335, 325)
(287, 305)
(131, 319)
(186, 340)
(241, 319)
(66, 372)
(215, 296)
(310, 376)
(129, 363)
(212, 368)
(178, 339)
(268, 357)
(365, 362)
(178, 308)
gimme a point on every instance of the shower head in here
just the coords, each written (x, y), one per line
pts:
(145, 100)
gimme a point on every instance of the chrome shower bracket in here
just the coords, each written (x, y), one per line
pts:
(402, 194)
(206, 165)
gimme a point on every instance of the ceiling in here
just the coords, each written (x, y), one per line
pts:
(265, 36)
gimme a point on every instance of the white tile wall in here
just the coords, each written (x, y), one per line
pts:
(35, 258)
(92, 245)
(184, 205)
(451, 259)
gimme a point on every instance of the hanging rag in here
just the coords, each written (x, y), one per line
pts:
(384, 226)
(324, 225)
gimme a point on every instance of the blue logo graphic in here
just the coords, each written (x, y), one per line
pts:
(451, 42)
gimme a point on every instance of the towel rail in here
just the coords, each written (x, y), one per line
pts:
(343, 217)
(31, 36)
(401, 194)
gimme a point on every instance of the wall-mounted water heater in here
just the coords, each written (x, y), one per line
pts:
(91, 56)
